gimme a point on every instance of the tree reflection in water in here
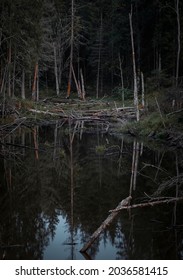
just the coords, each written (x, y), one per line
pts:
(52, 201)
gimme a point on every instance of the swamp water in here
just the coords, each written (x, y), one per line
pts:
(57, 187)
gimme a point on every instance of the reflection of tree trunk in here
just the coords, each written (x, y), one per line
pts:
(135, 158)
(177, 188)
(159, 165)
(35, 137)
(121, 156)
(55, 141)
(175, 205)
(71, 139)
(131, 234)
(23, 140)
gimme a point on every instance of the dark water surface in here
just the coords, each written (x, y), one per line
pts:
(52, 199)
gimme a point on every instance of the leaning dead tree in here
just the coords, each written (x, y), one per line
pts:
(124, 204)
(106, 223)
(135, 89)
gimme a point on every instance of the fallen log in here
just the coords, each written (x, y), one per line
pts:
(106, 223)
(124, 204)
(44, 112)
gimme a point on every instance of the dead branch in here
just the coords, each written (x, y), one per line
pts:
(124, 204)
(106, 223)
(174, 112)
(153, 203)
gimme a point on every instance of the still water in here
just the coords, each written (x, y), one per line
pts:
(58, 185)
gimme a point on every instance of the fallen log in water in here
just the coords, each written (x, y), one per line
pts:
(124, 204)
(106, 223)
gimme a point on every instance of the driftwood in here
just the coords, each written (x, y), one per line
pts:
(106, 223)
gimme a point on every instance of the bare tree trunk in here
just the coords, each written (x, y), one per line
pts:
(122, 81)
(13, 82)
(9, 69)
(23, 84)
(178, 43)
(35, 138)
(99, 56)
(71, 49)
(56, 69)
(77, 84)
(82, 85)
(37, 84)
(30, 81)
(34, 82)
(143, 91)
(134, 69)
(135, 158)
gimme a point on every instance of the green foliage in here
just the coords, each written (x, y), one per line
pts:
(100, 149)
(118, 91)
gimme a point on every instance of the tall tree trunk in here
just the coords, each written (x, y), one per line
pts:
(56, 69)
(77, 84)
(134, 68)
(37, 84)
(9, 69)
(178, 43)
(23, 84)
(13, 78)
(99, 55)
(34, 87)
(82, 85)
(122, 81)
(71, 49)
(143, 90)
